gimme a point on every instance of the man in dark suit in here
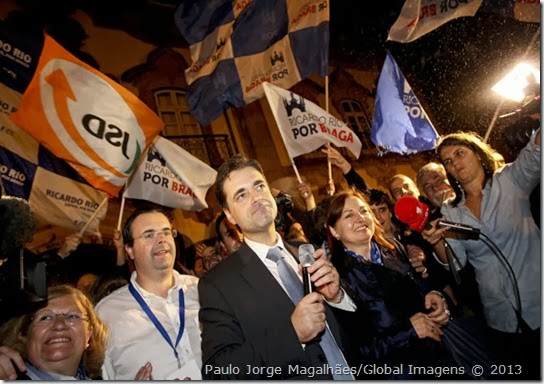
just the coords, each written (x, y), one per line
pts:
(251, 328)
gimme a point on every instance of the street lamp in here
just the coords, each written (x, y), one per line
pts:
(521, 82)
(521, 85)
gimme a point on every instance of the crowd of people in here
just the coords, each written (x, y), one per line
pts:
(380, 299)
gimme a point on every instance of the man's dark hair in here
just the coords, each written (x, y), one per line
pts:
(128, 238)
(378, 197)
(235, 163)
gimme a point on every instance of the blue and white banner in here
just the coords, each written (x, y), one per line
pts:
(19, 55)
(238, 45)
(400, 124)
(57, 194)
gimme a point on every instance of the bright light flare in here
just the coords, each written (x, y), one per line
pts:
(516, 84)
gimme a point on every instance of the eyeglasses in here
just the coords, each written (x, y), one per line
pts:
(152, 235)
(47, 318)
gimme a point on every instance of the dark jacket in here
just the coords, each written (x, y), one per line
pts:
(246, 321)
(386, 297)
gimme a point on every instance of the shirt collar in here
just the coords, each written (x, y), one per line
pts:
(147, 295)
(262, 249)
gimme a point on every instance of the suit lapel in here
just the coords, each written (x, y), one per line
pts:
(260, 280)
(263, 285)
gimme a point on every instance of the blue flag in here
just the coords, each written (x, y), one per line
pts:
(400, 124)
(238, 45)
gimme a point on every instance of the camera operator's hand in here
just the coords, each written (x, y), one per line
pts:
(69, 245)
(10, 358)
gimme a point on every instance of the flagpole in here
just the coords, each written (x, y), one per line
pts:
(296, 170)
(129, 180)
(329, 166)
(82, 230)
(493, 121)
(121, 211)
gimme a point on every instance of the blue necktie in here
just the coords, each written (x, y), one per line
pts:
(294, 288)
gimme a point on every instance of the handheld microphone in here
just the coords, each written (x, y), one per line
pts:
(460, 228)
(415, 214)
(305, 255)
(412, 212)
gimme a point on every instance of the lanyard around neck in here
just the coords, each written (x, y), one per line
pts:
(158, 324)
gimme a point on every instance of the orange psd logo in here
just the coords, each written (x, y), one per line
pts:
(86, 118)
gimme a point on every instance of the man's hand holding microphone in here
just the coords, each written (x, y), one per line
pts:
(321, 280)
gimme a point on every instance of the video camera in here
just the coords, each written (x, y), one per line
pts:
(283, 220)
(522, 123)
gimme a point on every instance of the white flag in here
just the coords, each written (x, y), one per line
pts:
(419, 17)
(169, 175)
(304, 126)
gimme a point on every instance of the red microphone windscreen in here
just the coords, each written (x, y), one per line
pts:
(411, 211)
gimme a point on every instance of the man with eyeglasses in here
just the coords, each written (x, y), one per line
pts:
(154, 319)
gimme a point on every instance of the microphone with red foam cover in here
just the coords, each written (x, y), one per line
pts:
(412, 212)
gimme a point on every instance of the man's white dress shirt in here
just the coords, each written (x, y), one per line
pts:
(134, 340)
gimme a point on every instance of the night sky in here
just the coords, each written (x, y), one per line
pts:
(450, 69)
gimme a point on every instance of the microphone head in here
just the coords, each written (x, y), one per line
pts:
(305, 254)
(411, 211)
